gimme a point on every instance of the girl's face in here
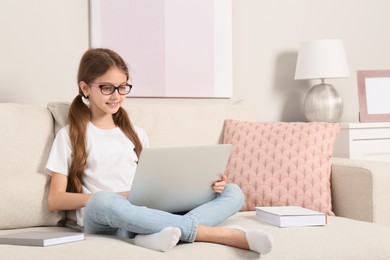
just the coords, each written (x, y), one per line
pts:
(100, 104)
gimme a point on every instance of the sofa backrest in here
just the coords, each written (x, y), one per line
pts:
(175, 125)
(26, 135)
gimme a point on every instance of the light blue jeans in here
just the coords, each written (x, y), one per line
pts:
(110, 213)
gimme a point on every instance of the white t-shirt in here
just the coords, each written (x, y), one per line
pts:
(111, 160)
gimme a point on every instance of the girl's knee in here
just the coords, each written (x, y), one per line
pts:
(234, 191)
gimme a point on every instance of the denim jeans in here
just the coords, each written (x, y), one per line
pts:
(110, 213)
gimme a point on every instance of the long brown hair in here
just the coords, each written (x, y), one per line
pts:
(93, 64)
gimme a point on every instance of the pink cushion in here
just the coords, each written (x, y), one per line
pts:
(280, 163)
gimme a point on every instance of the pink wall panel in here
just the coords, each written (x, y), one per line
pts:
(190, 48)
(170, 45)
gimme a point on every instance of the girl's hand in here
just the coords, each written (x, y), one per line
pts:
(124, 194)
(219, 185)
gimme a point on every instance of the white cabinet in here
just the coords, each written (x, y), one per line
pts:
(364, 141)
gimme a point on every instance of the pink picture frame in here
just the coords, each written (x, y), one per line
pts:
(174, 48)
(374, 95)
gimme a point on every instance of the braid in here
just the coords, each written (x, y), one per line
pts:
(122, 120)
(79, 116)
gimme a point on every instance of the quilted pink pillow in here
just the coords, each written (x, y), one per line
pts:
(280, 163)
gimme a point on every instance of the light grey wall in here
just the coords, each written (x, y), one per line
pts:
(41, 45)
(42, 42)
(267, 35)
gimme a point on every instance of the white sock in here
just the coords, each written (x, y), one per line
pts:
(162, 241)
(258, 240)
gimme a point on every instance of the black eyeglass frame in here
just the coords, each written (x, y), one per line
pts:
(101, 86)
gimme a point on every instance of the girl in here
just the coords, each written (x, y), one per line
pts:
(92, 165)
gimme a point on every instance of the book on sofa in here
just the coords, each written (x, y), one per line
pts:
(290, 216)
(40, 238)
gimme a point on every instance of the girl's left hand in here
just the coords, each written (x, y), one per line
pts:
(219, 185)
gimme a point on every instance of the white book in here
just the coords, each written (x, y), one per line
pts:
(40, 238)
(290, 216)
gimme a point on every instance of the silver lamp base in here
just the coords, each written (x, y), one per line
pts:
(323, 104)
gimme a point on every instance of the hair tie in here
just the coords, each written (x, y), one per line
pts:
(85, 100)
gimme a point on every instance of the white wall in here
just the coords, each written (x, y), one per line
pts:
(43, 40)
(41, 45)
(267, 35)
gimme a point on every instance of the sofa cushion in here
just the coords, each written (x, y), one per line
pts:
(60, 112)
(174, 125)
(341, 238)
(26, 138)
(279, 163)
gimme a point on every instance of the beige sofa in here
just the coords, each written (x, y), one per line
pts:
(360, 191)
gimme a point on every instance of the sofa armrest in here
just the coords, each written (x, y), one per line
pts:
(361, 190)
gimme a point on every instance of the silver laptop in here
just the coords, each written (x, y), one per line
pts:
(178, 179)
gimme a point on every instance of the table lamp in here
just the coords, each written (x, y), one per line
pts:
(322, 59)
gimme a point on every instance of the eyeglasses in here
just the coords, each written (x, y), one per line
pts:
(108, 89)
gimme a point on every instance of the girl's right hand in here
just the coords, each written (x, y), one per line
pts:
(60, 199)
(124, 194)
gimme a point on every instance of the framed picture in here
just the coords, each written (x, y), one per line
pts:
(174, 48)
(374, 95)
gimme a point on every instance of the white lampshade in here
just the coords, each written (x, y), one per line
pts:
(321, 59)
